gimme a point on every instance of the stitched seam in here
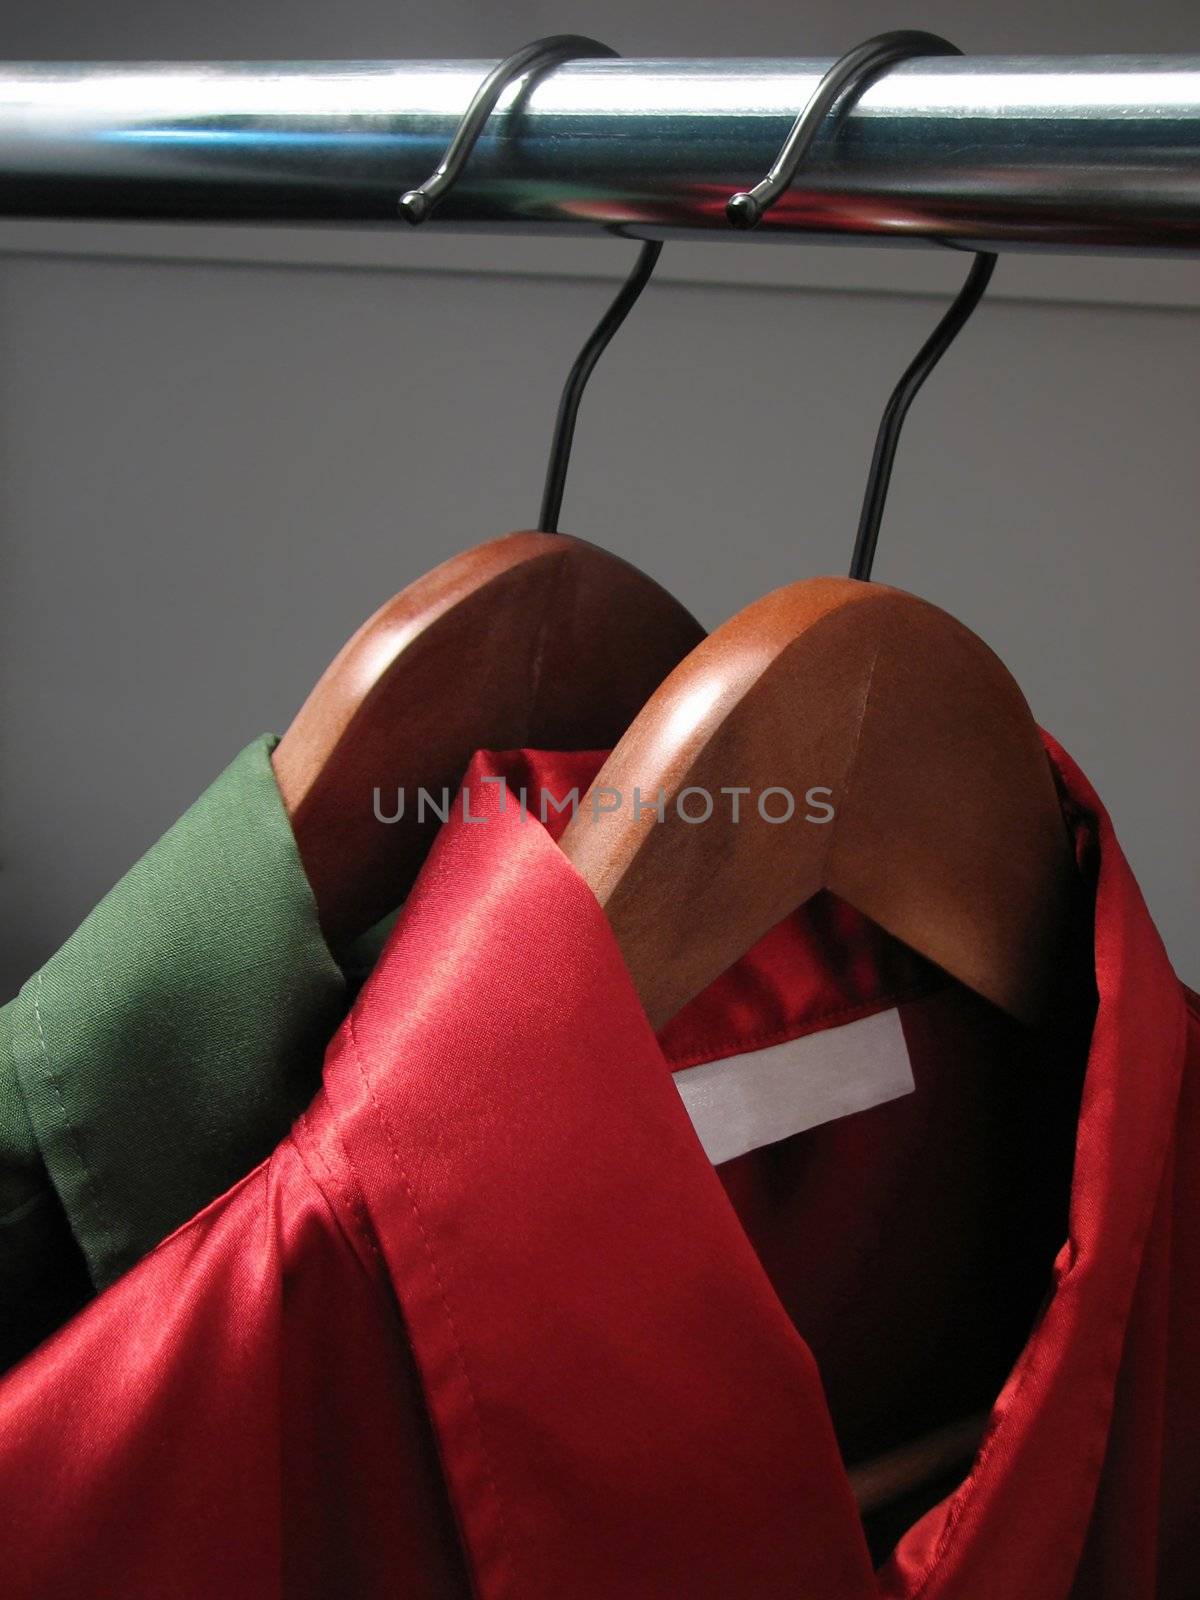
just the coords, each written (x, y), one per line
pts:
(89, 1177)
(310, 1152)
(359, 1208)
(368, 1259)
(735, 1045)
(506, 1543)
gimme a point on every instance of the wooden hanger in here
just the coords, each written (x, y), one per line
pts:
(945, 830)
(535, 639)
(914, 772)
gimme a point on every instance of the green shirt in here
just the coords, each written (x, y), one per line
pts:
(162, 1052)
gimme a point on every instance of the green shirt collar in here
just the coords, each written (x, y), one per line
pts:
(171, 1042)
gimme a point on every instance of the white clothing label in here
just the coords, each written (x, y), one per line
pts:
(742, 1102)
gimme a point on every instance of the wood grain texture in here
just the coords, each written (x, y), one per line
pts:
(947, 829)
(534, 639)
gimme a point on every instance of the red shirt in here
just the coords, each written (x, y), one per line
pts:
(490, 1322)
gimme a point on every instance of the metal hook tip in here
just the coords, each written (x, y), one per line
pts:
(743, 210)
(415, 206)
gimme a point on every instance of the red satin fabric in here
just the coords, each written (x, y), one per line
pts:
(488, 1322)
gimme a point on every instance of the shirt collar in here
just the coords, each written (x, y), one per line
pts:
(616, 1388)
(172, 1040)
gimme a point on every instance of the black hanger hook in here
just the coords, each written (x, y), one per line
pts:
(417, 205)
(879, 476)
(568, 406)
(848, 76)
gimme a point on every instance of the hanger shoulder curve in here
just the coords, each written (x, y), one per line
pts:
(544, 640)
(920, 789)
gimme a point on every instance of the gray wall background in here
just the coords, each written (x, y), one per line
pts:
(200, 464)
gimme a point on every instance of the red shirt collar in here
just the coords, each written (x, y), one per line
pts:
(622, 1404)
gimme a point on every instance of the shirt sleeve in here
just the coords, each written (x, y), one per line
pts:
(165, 1049)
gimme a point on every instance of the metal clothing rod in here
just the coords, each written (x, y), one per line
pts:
(1062, 153)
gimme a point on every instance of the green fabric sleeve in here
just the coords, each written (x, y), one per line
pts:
(171, 1042)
